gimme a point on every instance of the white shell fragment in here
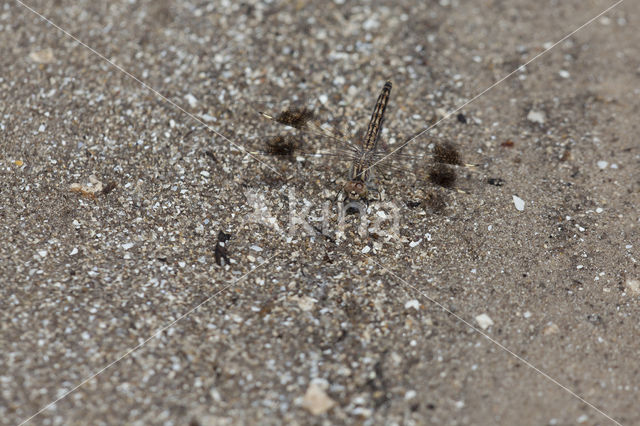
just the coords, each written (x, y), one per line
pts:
(519, 203)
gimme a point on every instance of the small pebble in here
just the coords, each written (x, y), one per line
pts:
(536, 117)
(366, 249)
(193, 102)
(42, 56)
(316, 401)
(412, 244)
(551, 328)
(602, 164)
(412, 304)
(564, 74)
(484, 321)
(519, 203)
(527, 314)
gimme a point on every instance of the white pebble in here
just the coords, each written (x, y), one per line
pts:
(599, 210)
(412, 244)
(366, 249)
(602, 164)
(193, 102)
(42, 253)
(536, 117)
(410, 394)
(484, 321)
(519, 202)
(256, 248)
(564, 74)
(579, 266)
(74, 251)
(412, 304)
(127, 246)
(204, 173)
(527, 314)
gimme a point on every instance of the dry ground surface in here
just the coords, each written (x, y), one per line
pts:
(345, 327)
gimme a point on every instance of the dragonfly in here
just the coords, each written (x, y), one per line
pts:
(363, 151)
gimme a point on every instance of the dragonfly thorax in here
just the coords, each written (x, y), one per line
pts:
(356, 190)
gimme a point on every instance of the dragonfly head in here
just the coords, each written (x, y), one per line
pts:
(356, 190)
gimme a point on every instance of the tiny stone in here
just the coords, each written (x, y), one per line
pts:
(602, 164)
(564, 74)
(412, 304)
(193, 102)
(42, 253)
(536, 117)
(316, 401)
(127, 246)
(519, 203)
(551, 329)
(43, 56)
(366, 249)
(527, 314)
(74, 251)
(410, 394)
(583, 418)
(484, 321)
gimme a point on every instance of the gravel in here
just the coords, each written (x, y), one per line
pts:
(245, 292)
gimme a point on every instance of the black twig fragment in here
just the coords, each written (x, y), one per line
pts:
(221, 253)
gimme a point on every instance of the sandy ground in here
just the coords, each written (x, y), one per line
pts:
(113, 198)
